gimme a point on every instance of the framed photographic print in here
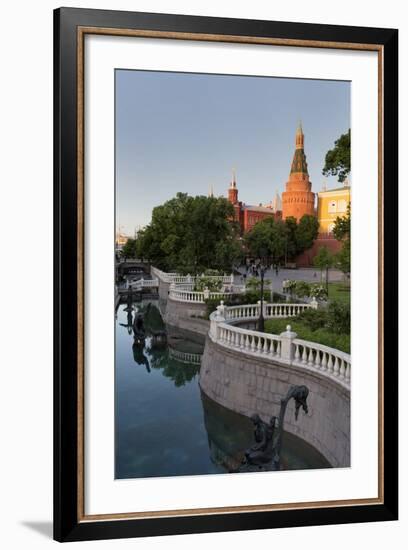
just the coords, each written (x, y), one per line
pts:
(225, 274)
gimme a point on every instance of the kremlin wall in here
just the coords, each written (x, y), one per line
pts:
(297, 200)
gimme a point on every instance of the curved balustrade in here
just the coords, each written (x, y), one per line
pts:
(285, 347)
(144, 283)
(249, 340)
(163, 276)
(184, 357)
(322, 358)
(251, 311)
(192, 296)
(187, 279)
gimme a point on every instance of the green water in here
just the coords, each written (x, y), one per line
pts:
(164, 424)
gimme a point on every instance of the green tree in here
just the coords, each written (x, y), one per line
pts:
(306, 232)
(291, 240)
(341, 231)
(324, 261)
(302, 289)
(267, 239)
(343, 259)
(337, 161)
(280, 240)
(191, 234)
(129, 248)
(253, 285)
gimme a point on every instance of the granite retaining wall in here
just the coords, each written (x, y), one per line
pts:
(249, 384)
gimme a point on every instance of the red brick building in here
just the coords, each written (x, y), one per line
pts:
(297, 199)
(249, 215)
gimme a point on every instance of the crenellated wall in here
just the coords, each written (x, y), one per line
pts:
(248, 384)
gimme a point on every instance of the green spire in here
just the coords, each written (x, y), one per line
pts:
(299, 163)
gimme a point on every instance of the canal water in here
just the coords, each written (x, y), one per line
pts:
(164, 424)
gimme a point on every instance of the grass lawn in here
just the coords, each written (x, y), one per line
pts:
(319, 336)
(340, 292)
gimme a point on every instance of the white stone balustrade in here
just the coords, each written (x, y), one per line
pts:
(322, 358)
(248, 312)
(144, 283)
(184, 357)
(187, 279)
(251, 341)
(285, 347)
(191, 296)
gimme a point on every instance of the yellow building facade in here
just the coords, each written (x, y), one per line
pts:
(332, 204)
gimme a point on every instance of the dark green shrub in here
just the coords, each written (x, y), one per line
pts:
(313, 318)
(338, 317)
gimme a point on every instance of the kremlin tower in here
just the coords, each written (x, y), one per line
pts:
(233, 191)
(298, 199)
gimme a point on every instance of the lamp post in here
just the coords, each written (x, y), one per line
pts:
(262, 266)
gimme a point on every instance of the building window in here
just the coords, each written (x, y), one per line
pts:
(332, 206)
(342, 206)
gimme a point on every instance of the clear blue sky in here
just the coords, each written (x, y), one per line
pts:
(185, 132)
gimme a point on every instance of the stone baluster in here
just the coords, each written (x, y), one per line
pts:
(265, 346)
(336, 367)
(317, 359)
(342, 369)
(297, 353)
(323, 366)
(330, 363)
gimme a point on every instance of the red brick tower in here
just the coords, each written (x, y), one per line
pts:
(233, 199)
(233, 191)
(298, 199)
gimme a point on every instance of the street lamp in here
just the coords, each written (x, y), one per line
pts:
(262, 266)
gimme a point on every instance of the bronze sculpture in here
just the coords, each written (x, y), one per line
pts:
(264, 454)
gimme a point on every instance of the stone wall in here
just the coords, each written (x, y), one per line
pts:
(248, 385)
(187, 316)
(163, 290)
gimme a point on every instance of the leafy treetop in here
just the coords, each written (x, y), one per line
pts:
(191, 234)
(337, 162)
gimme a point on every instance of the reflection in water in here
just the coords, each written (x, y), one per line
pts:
(129, 324)
(164, 424)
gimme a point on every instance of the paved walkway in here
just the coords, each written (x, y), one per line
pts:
(310, 275)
